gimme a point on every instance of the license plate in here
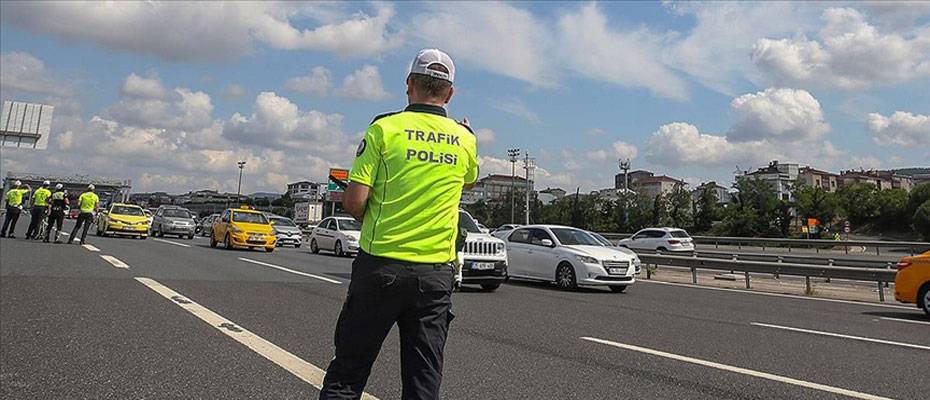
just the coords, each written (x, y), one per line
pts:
(616, 271)
(255, 238)
(482, 266)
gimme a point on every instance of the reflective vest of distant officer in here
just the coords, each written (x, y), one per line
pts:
(56, 216)
(14, 205)
(39, 210)
(88, 204)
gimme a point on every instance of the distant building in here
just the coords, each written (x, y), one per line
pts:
(723, 194)
(306, 190)
(152, 199)
(655, 185)
(882, 182)
(498, 187)
(210, 196)
(633, 177)
(781, 177)
(473, 195)
(827, 181)
(548, 195)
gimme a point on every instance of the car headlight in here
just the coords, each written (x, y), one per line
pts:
(499, 248)
(235, 229)
(587, 259)
(352, 239)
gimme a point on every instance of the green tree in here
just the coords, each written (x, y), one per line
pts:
(814, 202)
(754, 210)
(918, 196)
(921, 220)
(859, 202)
(892, 209)
(680, 207)
(706, 208)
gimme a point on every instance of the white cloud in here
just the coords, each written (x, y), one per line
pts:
(901, 129)
(20, 71)
(205, 31)
(849, 54)
(363, 84)
(146, 88)
(485, 136)
(234, 92)
(492, 36)
(627, 58)
(517, 107)
(777, 113)
(146, 103)
(625, 150)
(317, 82)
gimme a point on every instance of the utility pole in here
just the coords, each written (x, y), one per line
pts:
(513, 154)
(239, 187)
(625, 167)
(529, 166)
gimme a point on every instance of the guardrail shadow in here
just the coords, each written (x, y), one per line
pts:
(552, 287)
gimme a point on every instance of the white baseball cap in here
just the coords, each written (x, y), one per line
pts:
(46, 183)
(59, 186)
(428, 57)
(17, 183)
(90, 187)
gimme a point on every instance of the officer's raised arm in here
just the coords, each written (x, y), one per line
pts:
(364, 172)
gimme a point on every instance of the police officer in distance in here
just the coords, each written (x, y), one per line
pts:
(14, 206)
(87, 202)
(39, 210)
(57, 213)
(406, 184)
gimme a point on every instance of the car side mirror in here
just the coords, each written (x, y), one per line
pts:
(547, 243)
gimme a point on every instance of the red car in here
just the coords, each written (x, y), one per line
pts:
(73, 213)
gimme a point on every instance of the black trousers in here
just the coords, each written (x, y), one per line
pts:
(384, 292)
(38, 214)
(9, 220)
(83, 219)
(54, 218)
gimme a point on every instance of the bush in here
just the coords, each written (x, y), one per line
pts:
(921, 220)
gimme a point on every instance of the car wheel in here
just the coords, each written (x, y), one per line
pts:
(269, 249)
(618, 289)
(338, 249)
(212, 241)
(227, 243)
(662, 249)
(143, 237)
(313, 247)
(565, 277)
(190, 237)
(297, 246)
(490, 287)
(923, 298)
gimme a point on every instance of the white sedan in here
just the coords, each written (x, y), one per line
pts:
(569, 257)
(337, 234)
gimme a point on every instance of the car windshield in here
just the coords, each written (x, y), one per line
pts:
(249, 217)
(573, 237)
(282, 222)
(602, 239)
(176, 213)
(466, 222)
(349, 225)
(679, 234)
(125, 210)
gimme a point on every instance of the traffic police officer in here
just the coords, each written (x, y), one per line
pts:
(14, 205)
(57, 215)
(406, 184)
(39, 210)
(88, 205)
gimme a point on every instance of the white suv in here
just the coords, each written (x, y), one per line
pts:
(484, 258)
(661, 239)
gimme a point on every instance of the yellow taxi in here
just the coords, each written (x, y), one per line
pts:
(123, 219)
(912, 282)
(242, 227)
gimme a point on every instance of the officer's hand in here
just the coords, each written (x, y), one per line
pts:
(466, 122)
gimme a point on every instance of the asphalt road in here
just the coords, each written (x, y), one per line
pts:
(213, 323)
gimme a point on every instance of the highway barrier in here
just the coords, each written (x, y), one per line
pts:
(879, 275)
(817, 244)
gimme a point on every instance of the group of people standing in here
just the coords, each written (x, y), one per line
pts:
(51, 204)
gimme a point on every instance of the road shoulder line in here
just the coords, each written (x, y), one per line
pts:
(841, 336)
(115, 262)
(322, 278)
(171, 242)
(90, 247)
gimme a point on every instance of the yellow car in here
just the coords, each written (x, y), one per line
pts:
(912, 282)
(240, 227)
(123, 219)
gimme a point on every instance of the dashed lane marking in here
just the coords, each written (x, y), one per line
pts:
(171, 242)
(841, 336)
(739, 370)
(117, 263)
(91, 247)
(789, 296)
(322, 278)
(298, 367)
(910, 321)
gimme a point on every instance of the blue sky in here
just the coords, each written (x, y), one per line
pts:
(171, 94)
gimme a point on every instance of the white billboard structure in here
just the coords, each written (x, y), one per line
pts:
(25, 125)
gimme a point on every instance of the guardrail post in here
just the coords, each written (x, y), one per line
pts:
(735, 258)
(649, 272)
(780, 260)
(830, 263)
(881, 292)
(747, 279)
(807, 283)
(694, 275)
(878, 250)
(846, 247)
(888, 266)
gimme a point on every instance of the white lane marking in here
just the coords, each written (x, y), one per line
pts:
(744, 371)
(789, 296)
(298, 367)
(115, 261)
(91, 248)
(66, 233)
(170, 242)
(322, 278)
(910, 321)
(842, 336)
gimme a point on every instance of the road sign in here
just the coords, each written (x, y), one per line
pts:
(338, 173)
(846, 223)
(846, 229)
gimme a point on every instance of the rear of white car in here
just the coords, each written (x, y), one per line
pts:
(660, 239)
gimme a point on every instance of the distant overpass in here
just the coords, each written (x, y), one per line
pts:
(108, 189)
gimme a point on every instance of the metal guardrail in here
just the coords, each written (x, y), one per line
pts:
(817, 244)
(878, 275)
(791, 258)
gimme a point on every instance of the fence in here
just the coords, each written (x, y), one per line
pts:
(817, 244)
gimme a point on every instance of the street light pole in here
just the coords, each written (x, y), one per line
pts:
(625, 167)
(529, 165)
(513, 154)
(239, 187)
